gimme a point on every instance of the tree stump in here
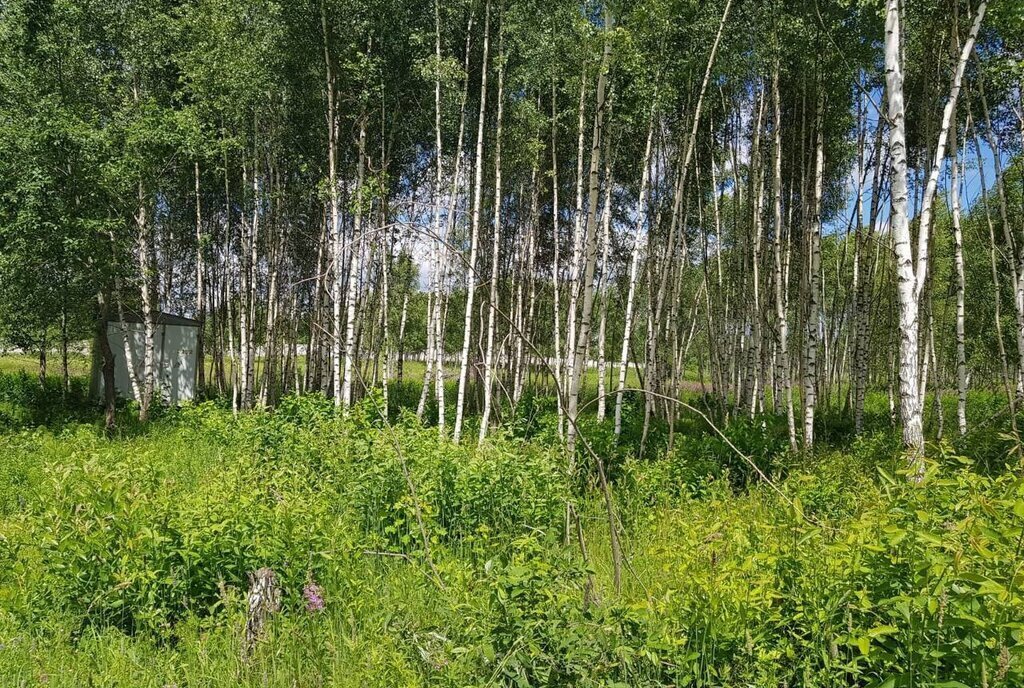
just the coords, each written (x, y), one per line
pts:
(264, 599)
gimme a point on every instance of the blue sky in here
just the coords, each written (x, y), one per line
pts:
(970, 182)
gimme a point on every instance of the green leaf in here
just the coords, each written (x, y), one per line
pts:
(882, 631)
(886, 477)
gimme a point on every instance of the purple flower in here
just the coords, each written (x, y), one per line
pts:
(314, 597)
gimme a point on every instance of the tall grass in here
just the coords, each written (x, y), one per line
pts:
(124, 562)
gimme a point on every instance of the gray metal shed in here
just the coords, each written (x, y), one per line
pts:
(174, 348)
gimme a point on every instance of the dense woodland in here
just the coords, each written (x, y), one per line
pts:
(595, 237)
(786, 204)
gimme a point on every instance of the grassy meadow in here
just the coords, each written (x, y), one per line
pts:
(406, 560)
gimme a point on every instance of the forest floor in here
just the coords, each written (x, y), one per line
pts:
(403, 559)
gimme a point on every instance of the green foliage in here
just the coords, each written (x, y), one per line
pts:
(24, 401)
(140, 548)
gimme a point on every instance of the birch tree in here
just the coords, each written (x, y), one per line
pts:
(471, 272)
(910, 279)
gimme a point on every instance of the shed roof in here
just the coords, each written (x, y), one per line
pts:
(161, 319)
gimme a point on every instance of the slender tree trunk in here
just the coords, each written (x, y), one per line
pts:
(555, 266)
(865, 287)
(385, 299)
(42, 359)
(147, 270)
(911, 281)
(403, 320)
(1011, 395)
(813, 283)
(1016, 259)
(314, 358)
(107, 362)
(247, 304)
(471, 276)
(757, 204)
(200, 292)
(433, 301)
(441, 303)
(781, 317)
(495, 245)
(958, 266)
(606, 221)
(583, 335)
(354, 273)
(335, 220)
(576, 262)
(522, 363)
(277, 242)
(634, 268)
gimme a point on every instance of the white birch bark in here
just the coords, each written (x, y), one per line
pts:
(428, 357)
(911, 281)
(335, 220)
(200, 292)
(126, 337)
(385, 297)
(606, 222)
(440, 300)
(577, 241)
(583, 334)
(810, 376)
(634, 269)
(433, 313)
(781, 317)
(495, 246)
(247, 300)
(354, 274)
(555, 266)
(147, 271)
(471, 275)
(958, 267)
(757, 203)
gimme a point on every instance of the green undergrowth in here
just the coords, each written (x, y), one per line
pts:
(124, 562)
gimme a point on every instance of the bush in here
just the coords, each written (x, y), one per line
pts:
(853, 576)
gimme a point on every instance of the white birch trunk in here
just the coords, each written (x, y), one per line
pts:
(958, 267)
(583, 334)
(911, 281)
(200, 293)
(336, 231)
(909, 402)
(440, 302)
(495, 246)
(555, 266)
(634, 269)
(813, 286)
(354, 273)
(757, 201)
(781, 317)
(606, 222)
(147, 270)
(577, 242)
(471, 275)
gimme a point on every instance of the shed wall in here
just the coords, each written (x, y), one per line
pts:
(174, 360)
